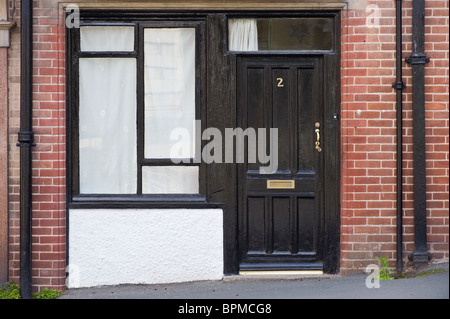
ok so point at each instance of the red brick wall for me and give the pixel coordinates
(13, 155)
(368, 200)
(368, 214)
(437, 124)
(3, 164)
(48, 210)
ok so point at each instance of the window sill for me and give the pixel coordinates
(157, 201)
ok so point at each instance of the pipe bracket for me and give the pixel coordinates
(399, 85)
(417, 58)
(420, 258)
(26, 138)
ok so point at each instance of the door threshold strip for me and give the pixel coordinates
(280, 272)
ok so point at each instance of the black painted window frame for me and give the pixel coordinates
(74, 53)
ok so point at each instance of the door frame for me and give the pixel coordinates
(221, 104)
(331, 158)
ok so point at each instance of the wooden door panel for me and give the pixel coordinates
(280, 107)
(305, 117)
(255, 230)
(305, 220)
(281, 221)
(255, 103)
(279, 227)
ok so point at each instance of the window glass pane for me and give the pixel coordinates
(107, 125)
(106, 38)
(169, 66)
(170, 180)
(281, 34)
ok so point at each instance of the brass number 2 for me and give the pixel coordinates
(280, 82)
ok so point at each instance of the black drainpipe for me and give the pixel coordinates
(418, 59)
(399, 86)
(25, 138)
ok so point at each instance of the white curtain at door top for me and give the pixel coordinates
(243, 35)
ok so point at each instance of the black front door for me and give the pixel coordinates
(280, 214)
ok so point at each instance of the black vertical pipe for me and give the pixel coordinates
(25, 138)
(399, 86)
(418, 59)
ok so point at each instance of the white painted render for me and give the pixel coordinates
(144, 246)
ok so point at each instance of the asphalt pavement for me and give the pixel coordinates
(430, 283)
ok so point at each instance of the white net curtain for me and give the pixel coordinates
(243, 35)
(108, 104)
(107, 125)
(169, 63)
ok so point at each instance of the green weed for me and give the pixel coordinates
(385, 270)
(12, 291)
